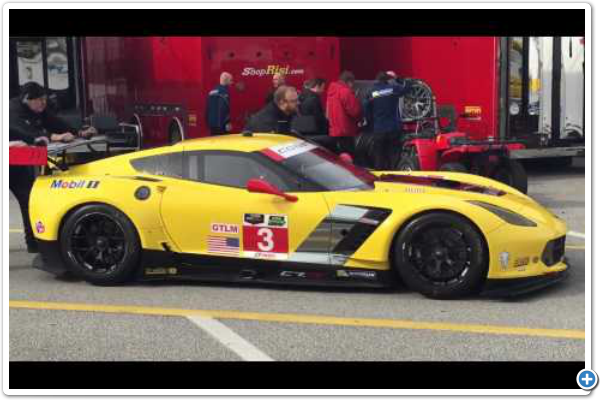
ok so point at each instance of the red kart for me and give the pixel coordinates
(432, 148)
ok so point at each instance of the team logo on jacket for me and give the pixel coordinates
(82, 184)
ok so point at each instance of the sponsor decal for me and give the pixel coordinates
(342, 274)
(278, 220)
(60, 184)
(283, 151)
(40, 228)
(414, 190)
(254, 219)
(227, 229)
(267, 239)
(504, 260)
(521, 263)
(370, 275)
(223, 245)
(292, 274)
(155, 271)
(272, 70)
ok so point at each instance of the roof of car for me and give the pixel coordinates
(258, 141)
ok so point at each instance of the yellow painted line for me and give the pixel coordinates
(303, 319)
(575, 247)
(16, 230)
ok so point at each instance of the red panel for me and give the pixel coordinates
(462, 71)
(28, 155)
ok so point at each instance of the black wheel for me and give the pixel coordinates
(454, 167)
(175, 134)
(441, 255)
(408, 162)
(513, 174)
(100, 244)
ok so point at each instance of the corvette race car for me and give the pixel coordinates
(276, 208)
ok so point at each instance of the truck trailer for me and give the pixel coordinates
(161, 84)
(525, 88)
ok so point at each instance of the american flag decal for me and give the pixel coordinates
(223, 245)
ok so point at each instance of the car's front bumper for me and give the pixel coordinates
(516, 287)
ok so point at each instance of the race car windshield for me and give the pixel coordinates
(328, 170)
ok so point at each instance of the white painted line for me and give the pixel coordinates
(576, 234)
(229, 339)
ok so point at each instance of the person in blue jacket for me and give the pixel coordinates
(218, 106)
(382, 108)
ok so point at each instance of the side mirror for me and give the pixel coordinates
(261, 186)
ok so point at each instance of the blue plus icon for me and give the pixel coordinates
(587, 379)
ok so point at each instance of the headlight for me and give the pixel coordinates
(504, 214)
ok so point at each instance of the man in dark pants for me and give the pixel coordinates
(30, 123)
(382, 105)
(218, 107)
(276, 116)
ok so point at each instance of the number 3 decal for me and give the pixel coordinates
(267, 243)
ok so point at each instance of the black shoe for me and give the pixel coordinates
(32, 247)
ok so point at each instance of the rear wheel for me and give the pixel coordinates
(513, 174)
(100, 244)
(454, 167)
(442, 256)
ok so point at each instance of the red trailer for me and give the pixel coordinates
(162, 83)
(528, 88)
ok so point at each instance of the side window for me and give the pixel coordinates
(170, 164)
(229, 169)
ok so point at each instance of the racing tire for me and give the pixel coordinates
(442, 256)
(100, 244)
(454, 167)
(513, 174)
(408, 162)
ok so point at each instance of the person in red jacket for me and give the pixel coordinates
(344, 112)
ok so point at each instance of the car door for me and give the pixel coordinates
(211, 213)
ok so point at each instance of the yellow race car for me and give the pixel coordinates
(277, 208)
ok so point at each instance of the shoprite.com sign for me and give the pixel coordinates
(272, 70)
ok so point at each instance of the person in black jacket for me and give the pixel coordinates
(276, 116)
(30, 123)
(218, 107)
(311, 105)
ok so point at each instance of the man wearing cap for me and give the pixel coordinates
(30, 123)
(29, 119)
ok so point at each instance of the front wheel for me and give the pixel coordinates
(100, 244)
(442, 256)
